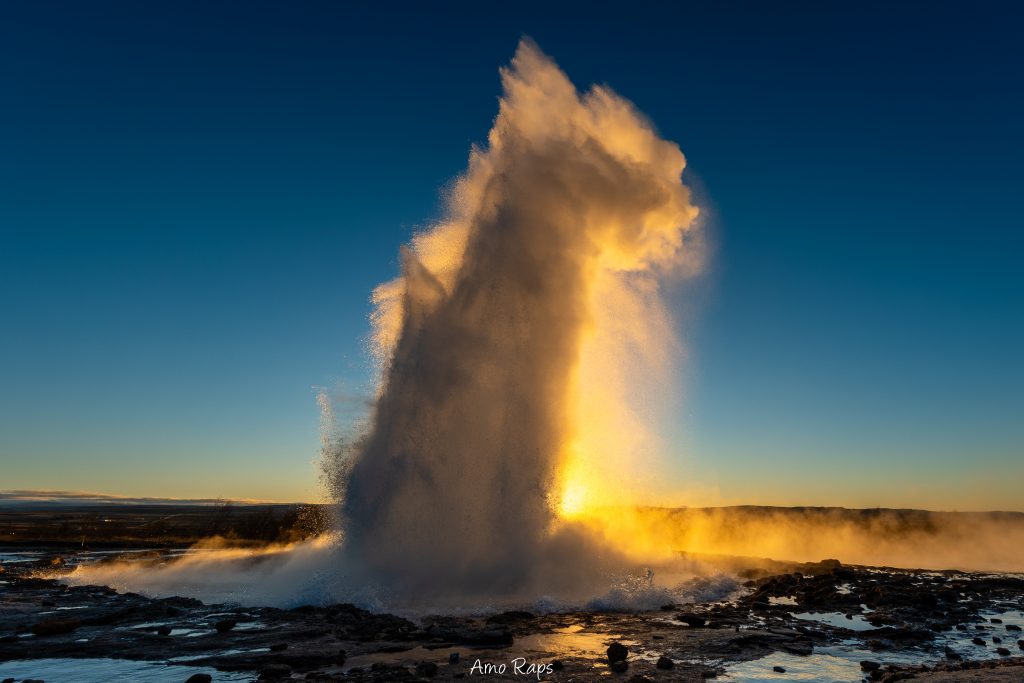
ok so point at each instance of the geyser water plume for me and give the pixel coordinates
(513, 346)
(520, 355)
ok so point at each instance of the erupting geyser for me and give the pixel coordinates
(511, 345)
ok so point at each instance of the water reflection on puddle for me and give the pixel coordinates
(569, 642)
(853, 622)
(787, 600)
(817, 668)
(106, 670)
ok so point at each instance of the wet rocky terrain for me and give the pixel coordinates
(822, 621)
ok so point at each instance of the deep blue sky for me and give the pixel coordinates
(197, 198)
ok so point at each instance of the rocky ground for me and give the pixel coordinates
(895, 618)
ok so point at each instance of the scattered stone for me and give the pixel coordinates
(996, 620)
(664, 663)
(556, 665)
(7, 680)
(978, 641)
(617, 652)
(225, 625)
(868, 665)
(996, 639)
(779, 669)
(951, 653)
(619, 666)
(163, 631)
(961, 627)
(199, 678)
(691, 619)
(1002, 651)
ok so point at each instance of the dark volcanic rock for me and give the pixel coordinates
(225, 625)
(978, 641)
(951, 653)
(1002, 651)
(199, 678)
(619, 666)
(617, 652)
(868, 665)
(779, 669)
(691, 619)
(164, 631)
(428, 669)
(510, 617)
(55, 627)
(798, 648)
(484, 637)
(664, 663)
(274, 672)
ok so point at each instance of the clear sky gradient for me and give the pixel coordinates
(196, 199)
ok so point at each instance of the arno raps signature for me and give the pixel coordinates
(520, 667)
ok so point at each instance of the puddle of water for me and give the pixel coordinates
(961, 641)
(221, 653)
(568, 642)
(58, 610)
(837, 619)
(786, 600)
(188, 632)
(248, 626)
(103, 670)
(816, 668)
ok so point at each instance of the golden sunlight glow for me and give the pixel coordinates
(573, 502)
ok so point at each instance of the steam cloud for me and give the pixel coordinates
(501, 344)
(520, 354)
